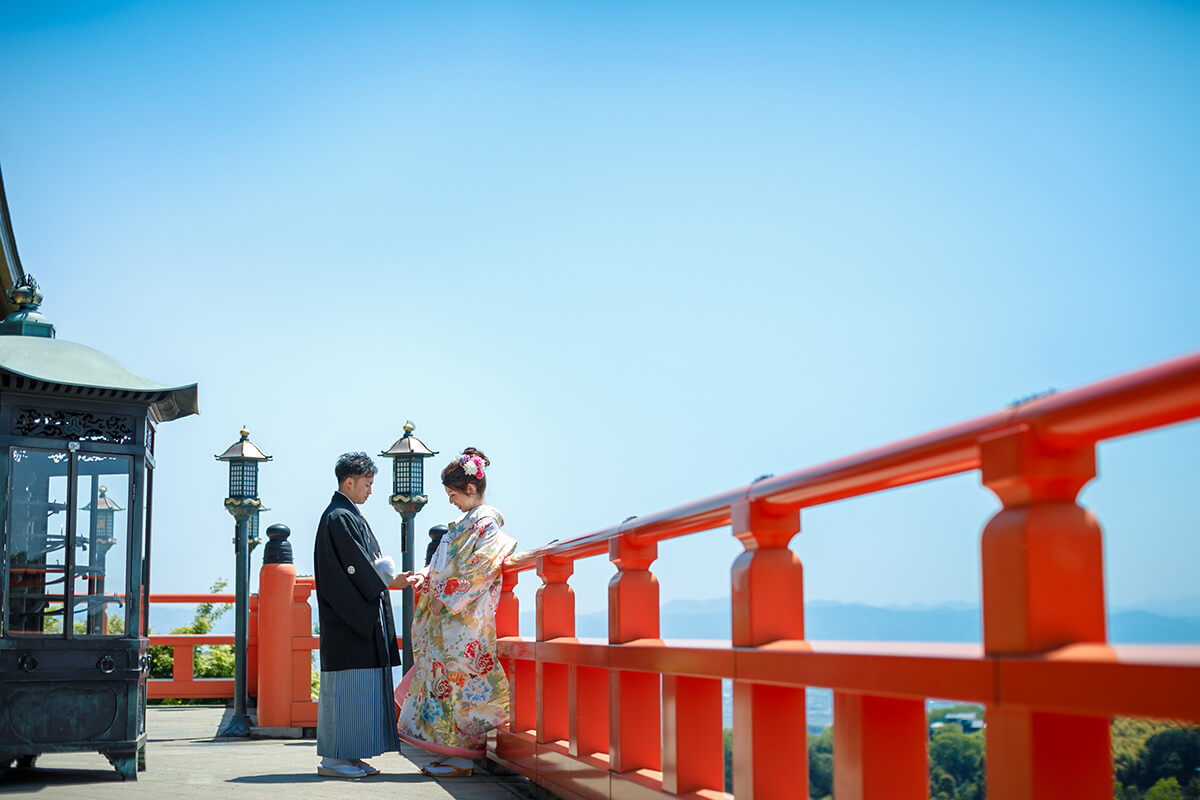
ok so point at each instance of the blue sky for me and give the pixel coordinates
(639, 253)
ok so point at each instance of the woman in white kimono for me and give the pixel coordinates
(457, 691)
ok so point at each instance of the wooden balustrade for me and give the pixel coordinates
(285, 646)
(637, 717)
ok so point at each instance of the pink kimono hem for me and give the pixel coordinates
(440, 749)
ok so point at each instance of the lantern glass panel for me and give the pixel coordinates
(101, 546)
(407, 476)
(400, 476)
(37, 542)
(243, 479)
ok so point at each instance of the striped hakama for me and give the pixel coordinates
(356, 714)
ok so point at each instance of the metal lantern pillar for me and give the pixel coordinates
(408, 456)
(243, 503)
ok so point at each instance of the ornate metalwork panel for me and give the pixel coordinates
(53, 423)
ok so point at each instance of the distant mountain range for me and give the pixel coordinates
(709, 619)
(950, 622)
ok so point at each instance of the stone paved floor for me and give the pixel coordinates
(183, 760)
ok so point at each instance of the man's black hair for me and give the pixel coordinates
(352, 465)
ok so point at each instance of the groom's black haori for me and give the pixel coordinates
(350, 593)
(356, 715)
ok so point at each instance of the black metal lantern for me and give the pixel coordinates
(243, 503)
(244, 457)
(408, 456)
(102, 510)
(77, 430)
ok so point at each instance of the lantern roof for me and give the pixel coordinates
(31, 358)
(103, 502)
(244, 450)
(409, 445)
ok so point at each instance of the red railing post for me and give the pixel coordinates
(183, 665)
(522, 678)
(634, 699)
(588, 691)
(276, 590)
(302, 712)
(1043, 587)
(693, 746)
(516, 746)
(508, 618)
(770, 737)
(555, 618)
(879, 748)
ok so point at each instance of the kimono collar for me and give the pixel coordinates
(479, 511)
(342, 500)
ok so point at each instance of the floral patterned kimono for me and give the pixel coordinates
(456, 690)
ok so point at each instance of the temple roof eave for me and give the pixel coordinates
(63, 363)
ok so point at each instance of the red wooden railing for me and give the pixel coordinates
(280, 660)
(183, 683)
(291, 676)
(638, 717)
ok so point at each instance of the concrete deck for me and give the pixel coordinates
(184, 760)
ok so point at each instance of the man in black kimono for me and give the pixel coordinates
(356, 713)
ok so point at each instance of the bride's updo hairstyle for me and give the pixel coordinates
(467, 470)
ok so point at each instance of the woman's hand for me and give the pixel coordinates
(404, 580)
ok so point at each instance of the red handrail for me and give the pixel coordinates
(194, 597)
(1149, 398)
(584, 724)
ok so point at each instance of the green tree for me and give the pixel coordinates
(1129, 735)
(727, 736)
(1171, 753)
(1165, 789)
(958, 754)
(942, 784)
(820, 764)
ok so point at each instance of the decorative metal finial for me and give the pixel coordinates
(26, 293)
(103, 490)
(409, 427)
(245, 433)
(27, 320)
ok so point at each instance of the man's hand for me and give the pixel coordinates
(403, 580)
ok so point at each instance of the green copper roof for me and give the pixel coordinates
(63, 363)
